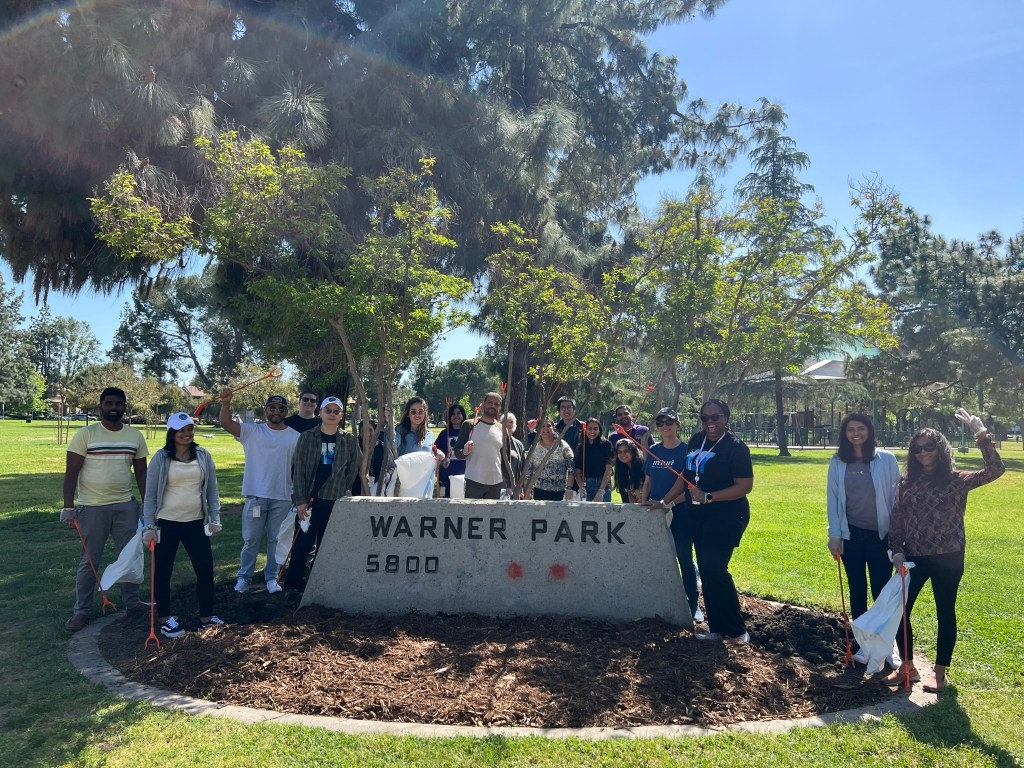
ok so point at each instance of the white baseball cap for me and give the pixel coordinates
(179, 420)
(332, 401)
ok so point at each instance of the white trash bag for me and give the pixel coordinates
(285, 536)
(415, 472)
(130, 566)
(876, 629)
(457, 486)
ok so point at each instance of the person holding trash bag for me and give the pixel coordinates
(99, 465)
(446, 443)
(266, 484)
(182, 506)
(325, 465)
(927, 528)
(862, 481)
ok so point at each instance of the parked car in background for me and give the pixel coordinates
(81, 417)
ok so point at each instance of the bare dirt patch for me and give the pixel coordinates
(478, 670)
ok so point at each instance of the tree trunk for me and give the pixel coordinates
(780, 415)
(516, 393)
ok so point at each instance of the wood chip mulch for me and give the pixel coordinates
(478, 670)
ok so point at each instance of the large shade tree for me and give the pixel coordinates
(543, 113)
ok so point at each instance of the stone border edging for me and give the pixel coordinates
(84, 654)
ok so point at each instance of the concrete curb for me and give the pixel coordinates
(84, 654)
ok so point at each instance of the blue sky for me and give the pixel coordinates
(924, 93)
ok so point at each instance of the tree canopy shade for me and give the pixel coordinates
(545, 113)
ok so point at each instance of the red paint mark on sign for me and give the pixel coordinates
(558, 571)
(515, 571)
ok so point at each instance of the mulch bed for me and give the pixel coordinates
(478, 670)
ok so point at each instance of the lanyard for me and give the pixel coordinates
(696, 473)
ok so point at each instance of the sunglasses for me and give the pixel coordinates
(309, 400)
(663, 422)
(706, 417)
(926, 447)
(331, 411)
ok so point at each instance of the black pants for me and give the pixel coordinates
(539, 494)
(475, 490)
(945, 572)
(319, 517)
(197, 545)
(865, 556)
(716, 533)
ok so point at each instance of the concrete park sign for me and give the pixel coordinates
(499, 558)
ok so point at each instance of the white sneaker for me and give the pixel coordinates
(241, 586)
(698, 616)
(273, 587)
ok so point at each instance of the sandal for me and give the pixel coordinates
(896, 677)
(932, 684)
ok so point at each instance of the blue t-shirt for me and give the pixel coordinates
(662, 478)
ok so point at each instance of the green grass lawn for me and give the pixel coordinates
(49, 714)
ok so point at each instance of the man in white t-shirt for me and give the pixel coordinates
(485, 445)
(266, 484)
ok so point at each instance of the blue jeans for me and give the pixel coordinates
(592, 484)
(272, 513)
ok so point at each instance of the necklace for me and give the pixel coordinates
(700, 456)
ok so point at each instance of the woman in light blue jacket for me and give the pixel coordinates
(862, 481)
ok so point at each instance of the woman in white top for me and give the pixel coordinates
(182, 506)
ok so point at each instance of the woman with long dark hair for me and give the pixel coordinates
(594, 460)
(927, 528)
(553, 481)
(862, 481)
(182, 506)
(412, 434)
(450, 465)
(629, 471)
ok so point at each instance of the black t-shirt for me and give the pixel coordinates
(598, 456)
(300, 424)
(328, 444)
(720, 465)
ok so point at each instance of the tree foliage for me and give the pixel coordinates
(18, 386)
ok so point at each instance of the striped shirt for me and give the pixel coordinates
(106, 476)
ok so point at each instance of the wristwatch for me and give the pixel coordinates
(708, 498)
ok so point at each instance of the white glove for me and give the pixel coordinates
(67, 516)
(212, 529)
(148, 535)
(973, 423)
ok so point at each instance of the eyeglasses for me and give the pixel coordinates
(706, 417)
(309, 400)
(331, 411)
(926, 447)
(417, 412)
(663, 422)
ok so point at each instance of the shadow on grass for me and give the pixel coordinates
(947, 725)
